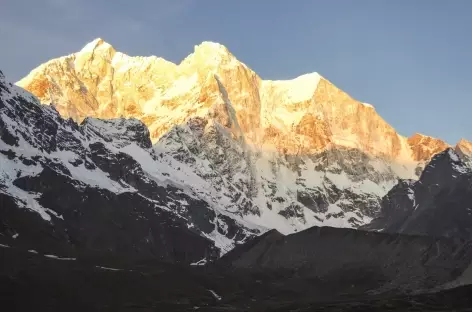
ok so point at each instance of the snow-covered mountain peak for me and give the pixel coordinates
(95, 44)
(445, 165)
(299, 89)
(306, 114)
(94, 53)
(209, 57)
(211, 47)
(303, 115)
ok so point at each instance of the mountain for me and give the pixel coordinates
(438, 204)
(117, 172)
(99, 186)
(277, 154)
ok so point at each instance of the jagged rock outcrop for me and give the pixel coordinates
(438, 204)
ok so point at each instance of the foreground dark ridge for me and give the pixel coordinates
(336, 269)
(361, 261)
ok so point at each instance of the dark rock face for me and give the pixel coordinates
(66, 187)
(439, 204)
(397, 205)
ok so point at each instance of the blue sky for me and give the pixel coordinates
(411, 59)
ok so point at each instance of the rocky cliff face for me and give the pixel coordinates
(279, 154)
(438, 204)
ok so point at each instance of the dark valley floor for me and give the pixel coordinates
(259, 276)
